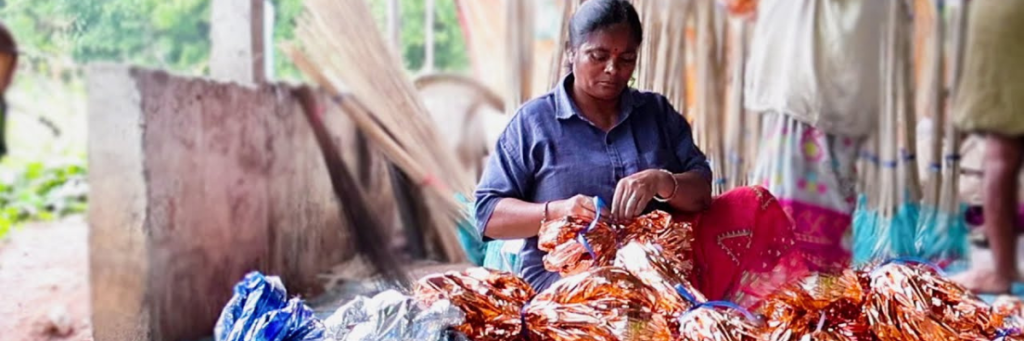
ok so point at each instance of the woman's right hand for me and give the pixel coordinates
(578, 206)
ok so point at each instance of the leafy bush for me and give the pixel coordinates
(41, 190)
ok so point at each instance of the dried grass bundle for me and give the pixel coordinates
(341, 49)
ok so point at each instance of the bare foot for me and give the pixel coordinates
(986, 281)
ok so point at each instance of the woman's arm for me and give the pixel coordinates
(688, 191)
(516, 219)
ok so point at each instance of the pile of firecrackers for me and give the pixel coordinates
(630, 283)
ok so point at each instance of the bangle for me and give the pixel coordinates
(675, 187)
(544, 219)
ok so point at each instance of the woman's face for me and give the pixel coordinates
(603, 64)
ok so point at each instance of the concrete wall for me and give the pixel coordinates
(193, 184)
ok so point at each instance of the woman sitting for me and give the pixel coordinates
(593, 135)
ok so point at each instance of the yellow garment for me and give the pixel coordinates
(991, 92)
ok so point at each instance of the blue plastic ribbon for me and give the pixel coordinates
(1006, 332)
(522, 319)
(581, 236)
(686, 294)
(907, 156)
(726, 305)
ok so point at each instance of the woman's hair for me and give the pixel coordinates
(596, 15)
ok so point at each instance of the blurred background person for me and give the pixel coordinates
(989, 101)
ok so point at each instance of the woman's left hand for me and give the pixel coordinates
(634, 192)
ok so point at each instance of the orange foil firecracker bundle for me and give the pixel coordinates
(646, 261)
(1008, 313)
(575, 245)
(674, 238)
(718, 321)
(912, 301)
(820, 307)
(602, 304)
(491, 300)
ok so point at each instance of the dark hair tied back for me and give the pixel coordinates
(596, 15)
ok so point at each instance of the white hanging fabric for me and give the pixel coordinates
(829, 75)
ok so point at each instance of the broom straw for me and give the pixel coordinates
(936, 80)
(949, 197)
(384, 103)
(334, 36)
(887, 141)
(911, 184)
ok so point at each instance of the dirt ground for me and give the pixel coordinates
(44, 282)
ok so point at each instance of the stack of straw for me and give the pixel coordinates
(342, 49)
(941, 234)
(885, 222)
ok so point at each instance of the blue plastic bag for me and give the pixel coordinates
(260, 311)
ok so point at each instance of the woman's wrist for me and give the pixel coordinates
(667, 185)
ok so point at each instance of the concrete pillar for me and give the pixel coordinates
(193, 183)
(395, 25)
(237, 38)
(428, 41)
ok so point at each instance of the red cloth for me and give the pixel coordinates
(745, 247)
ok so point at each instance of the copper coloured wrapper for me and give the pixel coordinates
(603, 304)
(675, 294)
(566, 240)
(819, 307)
(491, 300)
(675, 238)
(1008, 312)
(915, 302)
(714, 323)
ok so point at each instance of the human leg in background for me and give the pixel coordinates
(1003, 160)
(813, 176)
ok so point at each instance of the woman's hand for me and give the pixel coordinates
(580, 206)
(634, 192)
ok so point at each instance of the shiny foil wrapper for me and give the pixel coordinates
(1008, 312)
(491, 300)
(819, 307)
(392, 316)
(566, 255)
(914, 302)
(675, 238)
(716, 324)
(603, 304)
(646, 262)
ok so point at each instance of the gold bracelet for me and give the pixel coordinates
(675, 187)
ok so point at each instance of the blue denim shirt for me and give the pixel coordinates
(549, 151)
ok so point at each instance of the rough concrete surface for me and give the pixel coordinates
(193, 184)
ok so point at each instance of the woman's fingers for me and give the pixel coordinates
(641, 203)
(618, 200)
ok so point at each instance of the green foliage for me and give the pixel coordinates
(170, 34)
(449, 45)
(174, 34)
(41, 191)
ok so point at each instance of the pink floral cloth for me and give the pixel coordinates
(813, 176)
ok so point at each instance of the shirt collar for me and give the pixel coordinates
(565, 107)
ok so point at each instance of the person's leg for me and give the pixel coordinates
(1003, 159)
